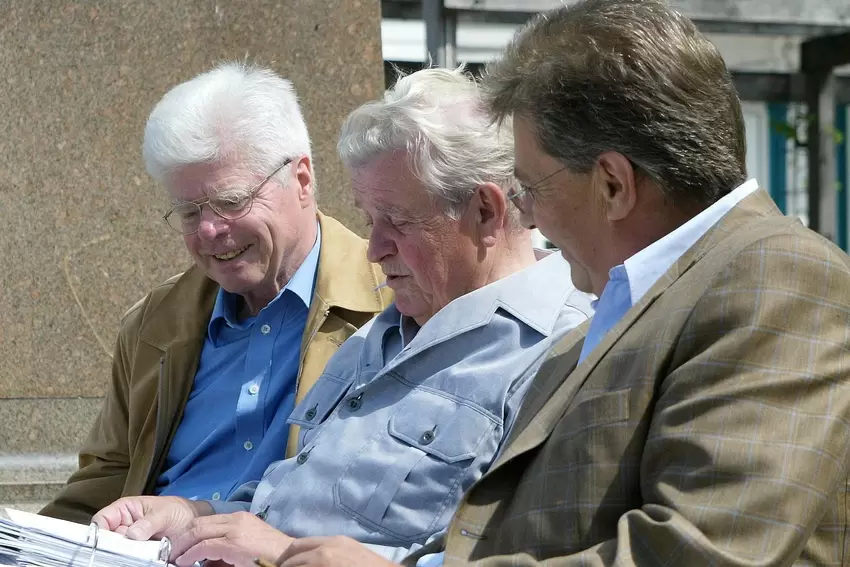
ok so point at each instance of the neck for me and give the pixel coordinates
(640, 230)
(253, 303)
(515, 255)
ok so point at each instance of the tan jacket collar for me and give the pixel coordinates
(340, 266)
(553, 391)
(343, 280)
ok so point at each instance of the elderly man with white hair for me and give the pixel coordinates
(275, 289)
(413, 409)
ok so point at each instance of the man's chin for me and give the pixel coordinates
(238, 283)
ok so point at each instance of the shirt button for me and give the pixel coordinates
(216, 496)
(311, 413)
(248, 445)
(254, 389)
(354, 403)
(265, 329)
(427, 437)
(302, 458)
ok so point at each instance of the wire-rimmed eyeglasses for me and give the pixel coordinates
(521, 198)
(228, 204)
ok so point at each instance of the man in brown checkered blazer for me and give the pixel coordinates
(702, 417)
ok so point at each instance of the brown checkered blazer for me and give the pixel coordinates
(711, 425)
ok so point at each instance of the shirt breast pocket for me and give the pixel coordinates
(316, 406)
(404, 478)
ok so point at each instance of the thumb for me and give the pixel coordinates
(151, 525)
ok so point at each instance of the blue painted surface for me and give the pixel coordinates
(778, 155)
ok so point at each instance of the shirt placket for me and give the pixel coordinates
(250, 413)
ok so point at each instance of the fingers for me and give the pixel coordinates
(154, 522)
(207, 550)
(233, 538)
(121, 513)
(144, 529)
(202, 529)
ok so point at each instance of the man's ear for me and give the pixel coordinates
(489, 208)
(614, 181)
(304, 176)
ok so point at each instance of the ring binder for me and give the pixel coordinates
(91, 540)
(36, 541)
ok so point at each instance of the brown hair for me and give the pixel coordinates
(629, 76)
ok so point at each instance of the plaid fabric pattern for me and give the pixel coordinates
(710, 426)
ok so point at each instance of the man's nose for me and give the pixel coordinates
(380, 246)
(211, 225)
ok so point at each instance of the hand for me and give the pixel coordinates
(337, 551)
(146, 517)
(235, 539)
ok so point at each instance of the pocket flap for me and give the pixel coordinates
(319, 402)
(440, 426)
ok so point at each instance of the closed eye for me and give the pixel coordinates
(233, 200)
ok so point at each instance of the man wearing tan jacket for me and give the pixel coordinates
(210, 364)
(702, 417)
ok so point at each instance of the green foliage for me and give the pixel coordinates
(790, 130)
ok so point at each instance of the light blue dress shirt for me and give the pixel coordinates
(630, 281)
(234, 424)
(405, 419)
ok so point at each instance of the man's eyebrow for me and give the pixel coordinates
(224, 191)
(392, 210)
(386, 209)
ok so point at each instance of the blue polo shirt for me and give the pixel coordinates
(234, 425)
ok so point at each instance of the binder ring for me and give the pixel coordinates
(164, 549)
(91, 540)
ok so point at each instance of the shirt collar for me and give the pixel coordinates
(520, 294)
(301, 284)
(645, 268)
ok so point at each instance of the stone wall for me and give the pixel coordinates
(82, 238)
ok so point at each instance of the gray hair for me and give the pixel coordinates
(236, 111)
(438, 118)
(629, 76)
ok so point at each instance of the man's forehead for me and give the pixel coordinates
(197, 180)
(386, 185)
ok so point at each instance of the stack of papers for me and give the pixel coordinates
(38, 541)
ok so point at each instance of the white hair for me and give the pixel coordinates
(438, 118)
(234, 112)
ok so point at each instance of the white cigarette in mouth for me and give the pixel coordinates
(380, 286)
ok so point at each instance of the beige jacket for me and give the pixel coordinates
(157, 354)
(710, 426)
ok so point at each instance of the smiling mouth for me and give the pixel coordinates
(232, 254)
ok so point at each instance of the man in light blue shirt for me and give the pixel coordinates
(414, 407)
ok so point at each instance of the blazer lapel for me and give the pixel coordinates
(558, 380)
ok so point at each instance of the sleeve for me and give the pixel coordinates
(239, 501)
(394, 554)
(104, 459)
(749, 437)
(229, 506)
